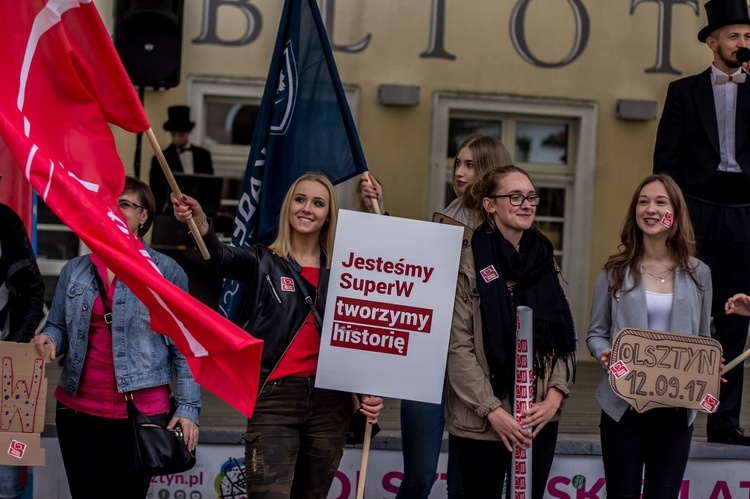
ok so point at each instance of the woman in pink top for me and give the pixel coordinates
(107, 356)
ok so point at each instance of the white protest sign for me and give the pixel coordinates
(389, 307)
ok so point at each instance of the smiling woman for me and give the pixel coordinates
(295, 439)
(508, 264)
(654, 283)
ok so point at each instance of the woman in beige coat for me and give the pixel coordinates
(508, 263)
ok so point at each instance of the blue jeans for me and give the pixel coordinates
(10, 482)
(422, 427)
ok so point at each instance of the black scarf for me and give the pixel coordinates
(532, 269)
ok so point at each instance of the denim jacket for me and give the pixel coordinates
(142, 357)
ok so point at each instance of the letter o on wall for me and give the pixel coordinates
(518, 34)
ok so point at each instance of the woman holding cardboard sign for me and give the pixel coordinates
(508, 264)
(653, 282)
(295, 439)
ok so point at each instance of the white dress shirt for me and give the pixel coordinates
(725, 98)
(186, 159)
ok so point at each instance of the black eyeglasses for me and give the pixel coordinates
(518, 199)
(124, 204)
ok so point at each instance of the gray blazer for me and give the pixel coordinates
(691, 313)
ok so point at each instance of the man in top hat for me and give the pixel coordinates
(181, 155)
(702, 142)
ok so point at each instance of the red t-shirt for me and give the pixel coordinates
(301, 358)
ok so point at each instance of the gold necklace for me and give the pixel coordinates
(662, 277)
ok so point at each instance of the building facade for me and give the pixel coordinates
(573, 88)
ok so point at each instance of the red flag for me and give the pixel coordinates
(61, 82)
(15, 191)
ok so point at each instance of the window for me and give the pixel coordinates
(225, 111)
(56, 243)
(554, 141)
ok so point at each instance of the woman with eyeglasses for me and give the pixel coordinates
(509, 263)
(109, 355)
(422, 424)
(653, 282)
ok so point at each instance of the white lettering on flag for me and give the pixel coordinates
(50, 15)
(195, 347)
(88, 185)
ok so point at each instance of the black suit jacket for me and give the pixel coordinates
(687, 141)
(202, 163)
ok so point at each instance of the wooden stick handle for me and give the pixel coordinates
(737, 361)
(375, 205)
(173, 185)
(365, 458)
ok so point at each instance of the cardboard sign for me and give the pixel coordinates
(443, 219)
(651, 369)
(22, 404)
(389, 307)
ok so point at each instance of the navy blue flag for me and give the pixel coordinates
(304, 124)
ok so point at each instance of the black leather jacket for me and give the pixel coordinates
(268, 313)
(21, 285)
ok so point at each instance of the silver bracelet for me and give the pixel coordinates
(205, 219)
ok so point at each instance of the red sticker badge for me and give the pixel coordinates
(619, 369)
(17, 449)
(668, 219)
(489, 274)
(287, 284)
(710, 403)
(522, 346)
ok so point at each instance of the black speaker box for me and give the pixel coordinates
(148, 37)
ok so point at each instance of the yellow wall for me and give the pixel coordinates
(396, 141)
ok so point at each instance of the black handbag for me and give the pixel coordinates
(158, 451)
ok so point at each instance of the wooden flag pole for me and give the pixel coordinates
(738, 360)
(173, 185)
(375, 205)
(365, 457)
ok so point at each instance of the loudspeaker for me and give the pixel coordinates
(148, 37)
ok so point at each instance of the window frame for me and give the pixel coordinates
(578, 177)
(231, 160)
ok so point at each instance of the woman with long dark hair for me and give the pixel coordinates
(653, 282)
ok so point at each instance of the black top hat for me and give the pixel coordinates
(179, 119)
(722, 13)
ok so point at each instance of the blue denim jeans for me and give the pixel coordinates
(10, 482)
(422, 426)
